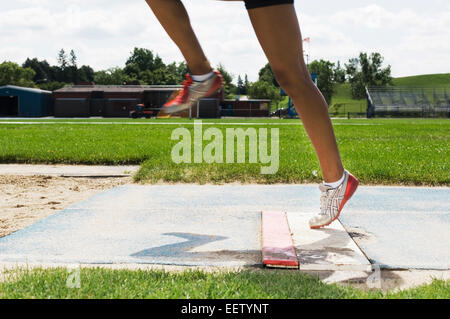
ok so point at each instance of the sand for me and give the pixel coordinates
(25, 200)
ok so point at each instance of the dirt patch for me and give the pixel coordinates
(25, 200)
(360, 236)
(386, 279)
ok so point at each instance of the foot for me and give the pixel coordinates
(192, 91)
(332, 200)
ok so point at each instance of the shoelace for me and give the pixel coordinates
(181, 97)
(323, 201)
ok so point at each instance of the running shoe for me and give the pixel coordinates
(332, 200)
(192, 91)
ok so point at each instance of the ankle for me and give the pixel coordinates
(202, 77)
(200, 69)
(336, 183)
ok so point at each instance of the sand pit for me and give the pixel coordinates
(25, 200)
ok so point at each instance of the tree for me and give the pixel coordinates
(85, 74)
(51, 86)
(13, 74)
(43, 70)
(240, 85)
(266, 74)
(246, 84)
(182, 69)
(141, 60)
(173, 74)
(148, 68)
(263, 90)
(324, 71)
(229, 88)
(339, 74)
(367, 71)
(73, 58)
(112, 76)
(62, 59)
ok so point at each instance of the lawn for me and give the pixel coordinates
(379, 151)
(342, 102)
(426, 80)
(247, 284)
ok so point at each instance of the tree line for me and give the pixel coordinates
(144, 67)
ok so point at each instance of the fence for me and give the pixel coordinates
(348, 110)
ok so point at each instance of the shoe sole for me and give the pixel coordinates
(348, 194)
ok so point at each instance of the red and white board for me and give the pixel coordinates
(277, 245)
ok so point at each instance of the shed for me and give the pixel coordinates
(25, 102)
(109, 100)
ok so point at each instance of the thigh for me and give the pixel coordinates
(278, 32)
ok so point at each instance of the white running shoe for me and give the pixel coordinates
(332, 200)
(192, 91)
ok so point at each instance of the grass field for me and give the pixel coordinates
(427, 80)
(343, 103)
(381, 151)
(126, 284)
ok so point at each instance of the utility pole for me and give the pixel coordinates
(307, 57)
(307, 52)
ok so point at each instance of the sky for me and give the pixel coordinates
(412, 35)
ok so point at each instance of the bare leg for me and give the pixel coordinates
(278, 32)
(173, 17)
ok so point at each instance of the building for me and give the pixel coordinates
(25, 102)
(109, 100)
(245, 108)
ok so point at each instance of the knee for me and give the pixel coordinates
(292, 79)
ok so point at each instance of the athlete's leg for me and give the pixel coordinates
(205, 81)
(173, 17)
(278, 32)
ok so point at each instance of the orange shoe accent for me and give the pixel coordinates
(352, 185)
(192, 92)
(183, 94)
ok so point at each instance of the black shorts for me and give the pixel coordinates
(251, 4)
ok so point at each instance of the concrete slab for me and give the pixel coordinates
(139, 224)
(402, 227)
(68, 170)
(219, 225)
(329, 248)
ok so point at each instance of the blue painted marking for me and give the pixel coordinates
(179, 249)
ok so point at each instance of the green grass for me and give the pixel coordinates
(343, 103)
(380, 151)
(105, 284)
(427, 80)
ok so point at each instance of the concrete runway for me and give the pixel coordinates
(206, 225)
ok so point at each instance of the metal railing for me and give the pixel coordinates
(408, 101)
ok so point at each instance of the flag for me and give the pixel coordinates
(308, 39)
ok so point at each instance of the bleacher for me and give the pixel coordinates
(407, 101)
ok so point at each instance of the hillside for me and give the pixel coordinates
(429, 80)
